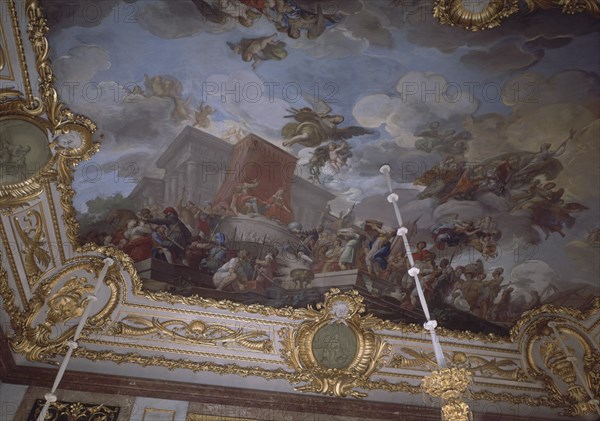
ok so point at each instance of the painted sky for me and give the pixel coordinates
(390, 69)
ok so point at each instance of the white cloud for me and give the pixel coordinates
(247, 97)
(337, 42)
(422, 97)
(81, 63)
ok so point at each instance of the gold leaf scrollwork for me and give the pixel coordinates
(504, 368)
(58, 114)
(67, 159)
(41, 341)
(456, 12)
(567, 6)
(36, 257)
(62, 120)
(73, 411)
(37, 342)
(68, 302)
(565, 360)
(576, 399)
(195, 332)
(451, 386)
(335, 349)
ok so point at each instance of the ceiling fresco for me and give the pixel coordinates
(241, 143)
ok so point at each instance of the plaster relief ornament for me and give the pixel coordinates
(72, 139)
(335, 348)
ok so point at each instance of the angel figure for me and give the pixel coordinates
(333, 154)
(202, 116)
(259, 49)
(234, 134)
(312, 127)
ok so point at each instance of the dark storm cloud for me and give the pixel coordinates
(547, 43)
(367, 25)
(501, 58)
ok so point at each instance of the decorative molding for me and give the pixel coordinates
(42, 339)
(335, 349)
(32, 231)
(567, 6)
(219, 395)
(196, 332)
(74, 411)
(410, 358)
(450, 385)
(477, 16)
(456, 12)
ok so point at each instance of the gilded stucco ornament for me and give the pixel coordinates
(472, 17)
(31, 232)
(490, 367)
(195, 332)
(567, 6)
(563, 358)
(41, 331)
(450, 384)
(476, 16)
(73, 411)
(68, 135)
(335, 349)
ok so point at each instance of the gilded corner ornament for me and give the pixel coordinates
(42, 335)
(335, 349)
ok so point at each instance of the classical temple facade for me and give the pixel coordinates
(199, 163)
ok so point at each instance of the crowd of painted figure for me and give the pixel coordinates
(293, 17)
(521, 180)
(381, 253)
(190, 236)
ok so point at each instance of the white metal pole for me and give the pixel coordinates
(430, 325)
(51, 397)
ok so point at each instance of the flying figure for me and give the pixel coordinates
(312, 128)
(259, 49)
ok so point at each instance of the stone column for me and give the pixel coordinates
(173, 189)
(192, 182)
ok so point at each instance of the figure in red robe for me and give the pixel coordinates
(278, 210)
(242, 201)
